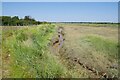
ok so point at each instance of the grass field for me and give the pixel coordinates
(26, 51)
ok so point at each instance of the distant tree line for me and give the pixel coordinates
(16, 21)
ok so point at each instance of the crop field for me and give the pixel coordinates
(60, 51)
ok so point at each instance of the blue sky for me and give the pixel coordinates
(60, 0)
(64, 11)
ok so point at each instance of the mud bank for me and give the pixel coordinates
(58, 40)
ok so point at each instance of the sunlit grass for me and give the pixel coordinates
(35, 60)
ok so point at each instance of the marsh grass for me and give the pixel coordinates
(30, 56)
(114, 25)
(107, 46)
(31, 61)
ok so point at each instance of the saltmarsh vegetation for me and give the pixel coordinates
(26, 52)
(106, 46)
(29, 55)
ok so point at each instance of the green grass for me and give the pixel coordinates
(100, 25)
(34, 60)
(90, 25)
(103, 45)
(30, 56)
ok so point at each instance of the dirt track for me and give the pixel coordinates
(80, 55)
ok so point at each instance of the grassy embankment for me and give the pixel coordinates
(26, 53)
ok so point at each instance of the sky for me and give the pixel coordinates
(63, 11)
(60, 0)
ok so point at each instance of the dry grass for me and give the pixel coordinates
(94, 52)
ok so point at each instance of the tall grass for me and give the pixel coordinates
(34, 60)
